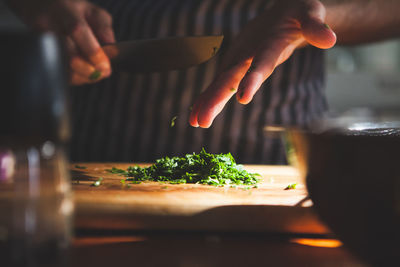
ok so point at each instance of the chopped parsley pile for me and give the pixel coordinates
(200, 168)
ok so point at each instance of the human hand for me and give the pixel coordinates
(264, 43)
(82, 25)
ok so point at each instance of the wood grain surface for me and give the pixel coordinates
(160, 206)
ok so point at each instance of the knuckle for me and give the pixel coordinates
(314, 9)
(75, 26)
(103, 15)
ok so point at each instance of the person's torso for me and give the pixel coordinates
(128, 116)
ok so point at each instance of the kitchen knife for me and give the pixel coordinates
(157, 55)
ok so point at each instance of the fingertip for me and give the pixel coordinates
(77, 79)
(100, 58)
(193, 115)
(206, 116)
(105, 69)
(102, 63)
(319, 34)
(193, 122)
(250, 85)
(242, 98)
(79, 65)
(205, 123)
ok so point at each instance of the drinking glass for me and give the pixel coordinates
(36, 205)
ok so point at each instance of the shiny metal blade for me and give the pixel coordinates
(157, 55)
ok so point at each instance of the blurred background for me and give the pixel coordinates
(363, 75)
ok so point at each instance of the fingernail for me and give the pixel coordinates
(95, 75)
(327, 26)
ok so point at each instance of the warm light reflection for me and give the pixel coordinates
(325, 243)
(89, 241)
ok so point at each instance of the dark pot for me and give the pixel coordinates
(353, 178)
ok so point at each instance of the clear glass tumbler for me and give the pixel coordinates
(36, 205)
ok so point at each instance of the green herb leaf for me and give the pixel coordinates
(95, 75)
(173, 121)
(116, 171)
(80, 167)
(291, 186)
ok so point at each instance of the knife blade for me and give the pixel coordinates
(157, 55)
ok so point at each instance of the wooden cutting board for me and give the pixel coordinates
(157, 206)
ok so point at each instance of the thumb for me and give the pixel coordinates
(318, 33)
(311, 16)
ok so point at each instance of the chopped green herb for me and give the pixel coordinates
(116, 171)
(80, 167)
(233, 89)
(200, 168)
(134, 182)
(173, 121)
(95, 75)
(164, 187)
(326, 26)
(291, 186)
(122, 181)
(98, 182)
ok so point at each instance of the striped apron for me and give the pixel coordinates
(127, 117)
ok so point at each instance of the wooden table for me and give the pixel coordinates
(209, 250)
(155, 224)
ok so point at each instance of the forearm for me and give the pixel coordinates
(363, 21)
